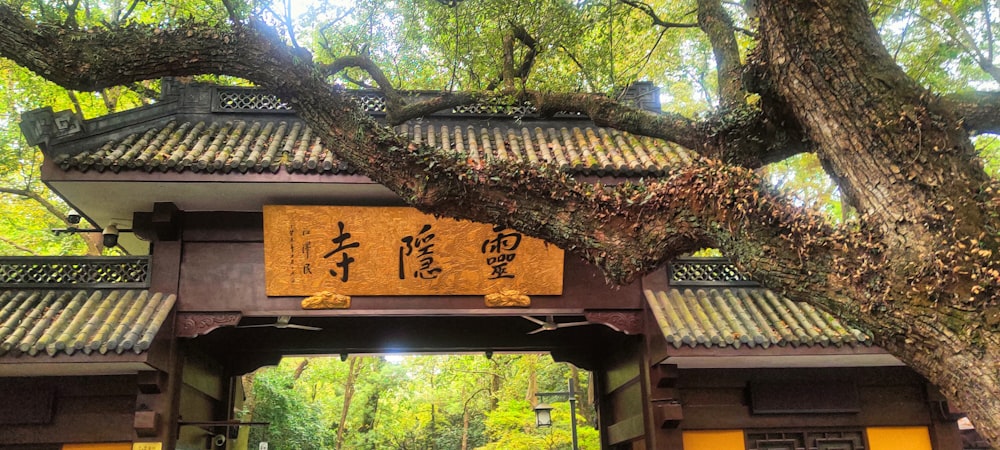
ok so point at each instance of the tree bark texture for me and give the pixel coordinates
(907, 165)
(920, 269)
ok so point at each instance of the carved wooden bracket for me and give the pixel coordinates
(628, 322)
(191, 325)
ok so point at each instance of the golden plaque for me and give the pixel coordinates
(400, 251)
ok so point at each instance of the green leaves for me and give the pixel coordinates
(415, 402)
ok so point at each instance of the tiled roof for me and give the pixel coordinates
(270, 145)
(36, 321)
(754, 317)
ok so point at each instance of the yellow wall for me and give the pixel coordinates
(714, 440)
(114, 446)
(898, 438)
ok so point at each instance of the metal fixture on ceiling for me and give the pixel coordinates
(550, 324)
(282, 322)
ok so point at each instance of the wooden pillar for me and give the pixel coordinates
(663, 408)
(662, 403)
(621, 400)
(157, 408)
(944, 431)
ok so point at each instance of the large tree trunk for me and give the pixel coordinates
(908, 167)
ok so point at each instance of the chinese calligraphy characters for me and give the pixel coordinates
(390, 251)
(342, 245)
(419, 247)
(500, 252)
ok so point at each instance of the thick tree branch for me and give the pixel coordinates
(394, 101)
(979, 111)
(718, 26)
(418, 174)
(908, 166)
(234, 15)
(509, 73)
(529, 57)
(716, 23)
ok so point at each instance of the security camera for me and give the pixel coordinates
(110, 234)
(73, 217)
(219, 440)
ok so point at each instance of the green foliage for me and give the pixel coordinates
(588, 46)
(295, 422)
(941, 44)
(415, 402)
(24, 222)
(802, 177)
(989, 150)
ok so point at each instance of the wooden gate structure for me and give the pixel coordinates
(237, 215)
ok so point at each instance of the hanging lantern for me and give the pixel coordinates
(543, 415)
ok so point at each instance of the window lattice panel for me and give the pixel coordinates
(372, 103)
(806, 440)
(496, 108)
(707, 271)
(251, 100)
(74, 272)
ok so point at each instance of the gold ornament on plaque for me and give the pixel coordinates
(327, 300)
(508, 298)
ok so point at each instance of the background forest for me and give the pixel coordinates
(416, 402)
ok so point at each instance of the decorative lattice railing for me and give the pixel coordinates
(706, 272)
(237, 99)
(253, 100)
(74, 272)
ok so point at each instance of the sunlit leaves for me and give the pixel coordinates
(24, 223)
(943, 44)
(803, 179)
(415, 402)
(989, 150)
(588, 46)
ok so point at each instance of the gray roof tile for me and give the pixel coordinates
(267, 145)
(754, 317)
(52, 322)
